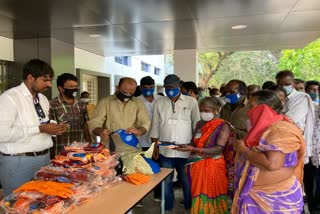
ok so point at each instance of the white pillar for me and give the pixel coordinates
(185, 65)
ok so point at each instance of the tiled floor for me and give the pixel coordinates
(152, 207)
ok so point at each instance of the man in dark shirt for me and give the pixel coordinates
(235, 111)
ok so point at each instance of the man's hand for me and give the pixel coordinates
(105, 135)
(137, 132)
(53, 128)
(156, 153)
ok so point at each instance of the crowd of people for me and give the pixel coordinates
(257, 146)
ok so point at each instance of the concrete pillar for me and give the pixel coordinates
(185, 65)
(58, 54)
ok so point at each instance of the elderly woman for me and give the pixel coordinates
(269, 162)
(206, 167)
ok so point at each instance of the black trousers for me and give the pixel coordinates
(311, 180)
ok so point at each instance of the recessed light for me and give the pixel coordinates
(94, 35)
(239, 27)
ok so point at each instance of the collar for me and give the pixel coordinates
(182, 97)
(154, 98)
(61, 100)
(244, 103)
(24, 89)
(292, 94)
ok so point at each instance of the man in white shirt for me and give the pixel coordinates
(25, 130)
(299, 107)
(148, 98)
(174, 119)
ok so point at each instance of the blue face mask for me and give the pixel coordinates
(147, 92)
(129, 139)
(172, 92)
(233, 98)
(314, 96)
(288, 88)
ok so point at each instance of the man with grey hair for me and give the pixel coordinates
(174, 119)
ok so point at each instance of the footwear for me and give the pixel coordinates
(157, 200)
(181, 203)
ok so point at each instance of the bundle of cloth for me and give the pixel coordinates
(73, 177)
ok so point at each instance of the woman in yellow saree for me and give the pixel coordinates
(211, 160)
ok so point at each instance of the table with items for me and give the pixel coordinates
(83, 172)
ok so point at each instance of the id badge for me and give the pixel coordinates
(172, 122)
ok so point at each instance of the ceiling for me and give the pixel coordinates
(144, 27)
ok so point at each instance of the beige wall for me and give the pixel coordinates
(185, 65)
(6, 49)
(89, 61)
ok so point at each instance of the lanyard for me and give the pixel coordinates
(39, 110)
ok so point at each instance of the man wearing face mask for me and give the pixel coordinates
(148, 98)
(84, 97)
(67, 108)
(299, 107)
(235, 111)
(312, 170)
(120, 111)
(174, 119)
(190, 89)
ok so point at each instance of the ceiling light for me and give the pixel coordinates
(239, 27)
(94, 35)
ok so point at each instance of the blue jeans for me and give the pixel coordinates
(178, 164)
(16, 170)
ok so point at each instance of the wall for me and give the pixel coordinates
(62, 61)
(6, 49)
(89, 61)
(134, 70)
(185, 64)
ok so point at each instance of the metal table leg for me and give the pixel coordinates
(162, 197)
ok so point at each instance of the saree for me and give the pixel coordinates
(208, 176)
(283, 197)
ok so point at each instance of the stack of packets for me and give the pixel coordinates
(73, 177)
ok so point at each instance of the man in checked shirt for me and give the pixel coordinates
(67, 108)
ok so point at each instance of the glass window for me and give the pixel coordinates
(157, 71)
(90, 85)
(145, 67)
(123, 60)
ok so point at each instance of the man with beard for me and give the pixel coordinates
(66, 108)
(25, 128)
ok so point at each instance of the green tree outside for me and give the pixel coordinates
(256, 67)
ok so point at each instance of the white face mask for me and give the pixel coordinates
(288, 88)
(206, 116)
(84, 100)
